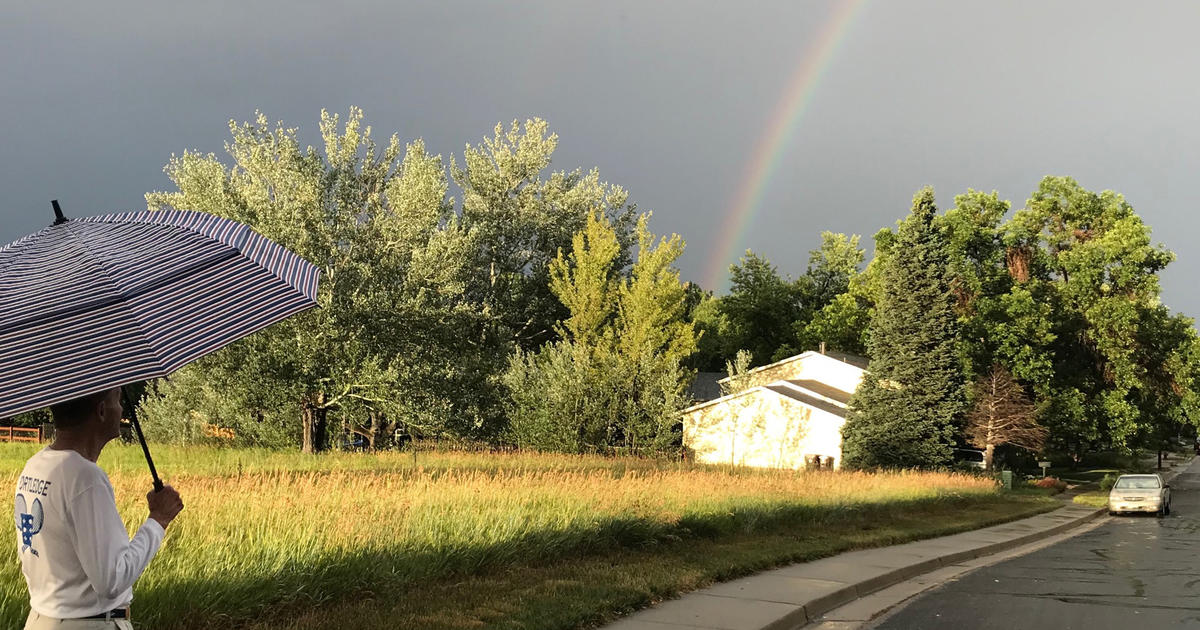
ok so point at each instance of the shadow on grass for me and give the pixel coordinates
(323, 579)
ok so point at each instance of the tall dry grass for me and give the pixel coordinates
(288, 530)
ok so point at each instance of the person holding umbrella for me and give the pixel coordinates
(78, 560)
(90, 305)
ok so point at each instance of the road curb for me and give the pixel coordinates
(813, 610)
(819, 608)
(791, 597)
(798, 594)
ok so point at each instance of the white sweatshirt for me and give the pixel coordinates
(75, 553)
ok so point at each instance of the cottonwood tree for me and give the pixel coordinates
(523, 216)
(393, 330)
(1002, 414)
(844, 323)
(1065, 295)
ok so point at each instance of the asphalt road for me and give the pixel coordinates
(1138, 572)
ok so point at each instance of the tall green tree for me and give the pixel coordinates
(653, 340)
(829, 314)
(616, 378)
(844, 323)
(564, 395)
(715, 340)
(586, 281)
(761, 308)
(830, 269)
(1065, 296)
(910, 406)
(392, 331)
(1088, 257)
(522, 216)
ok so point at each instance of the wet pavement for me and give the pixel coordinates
(1139, 572)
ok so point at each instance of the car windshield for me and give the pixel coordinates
(1137, 483)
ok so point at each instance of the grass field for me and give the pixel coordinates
(459, 540)
(1095, 498)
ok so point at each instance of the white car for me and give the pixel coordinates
(970, 458)
(1140, 493)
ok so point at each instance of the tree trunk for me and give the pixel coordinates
(989, 449)
(313, 416)
(389, 432)
(374, 432)
(306, 428)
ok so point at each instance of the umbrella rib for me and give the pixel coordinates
(12, 250)
(120, 296)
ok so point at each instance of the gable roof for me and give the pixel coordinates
(786, 388)
(825, 391)
(845, 357)
(851, 359)
(827, 399)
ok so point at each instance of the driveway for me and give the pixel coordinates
(1138, 572)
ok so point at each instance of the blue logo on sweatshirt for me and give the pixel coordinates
(29, 520)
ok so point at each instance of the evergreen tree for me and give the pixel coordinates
(912, 399)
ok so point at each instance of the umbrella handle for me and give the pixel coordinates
(137, 428)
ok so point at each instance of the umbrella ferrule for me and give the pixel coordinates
(58, 215)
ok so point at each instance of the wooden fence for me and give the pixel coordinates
(20, 434)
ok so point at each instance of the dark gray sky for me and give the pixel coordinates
(667, 98)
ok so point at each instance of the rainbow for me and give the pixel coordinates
(782, 126)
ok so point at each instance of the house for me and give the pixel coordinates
(788, 414)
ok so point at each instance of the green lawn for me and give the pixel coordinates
(1095, 498)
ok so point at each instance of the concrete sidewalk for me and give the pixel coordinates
(790, 597)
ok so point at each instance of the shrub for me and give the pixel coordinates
(1050, 483)
(1108, 481)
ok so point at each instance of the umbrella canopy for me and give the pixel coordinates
(90, 304)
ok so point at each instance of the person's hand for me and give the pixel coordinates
(165, 504)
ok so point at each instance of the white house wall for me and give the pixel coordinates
(762, 429)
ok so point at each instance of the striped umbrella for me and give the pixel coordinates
(90, 304)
